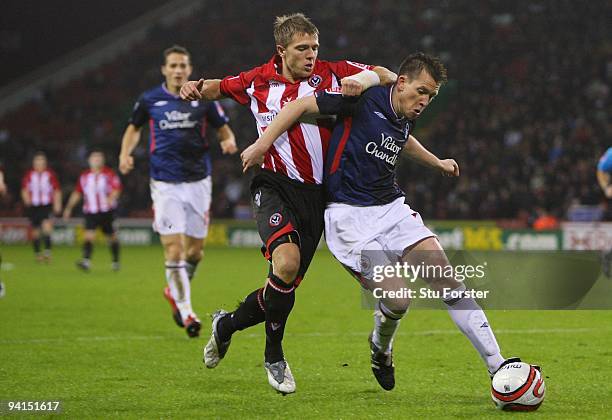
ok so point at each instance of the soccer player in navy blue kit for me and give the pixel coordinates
(604, 178)
(366, 209)
(180, 167)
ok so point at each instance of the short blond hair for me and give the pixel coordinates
(286, 26)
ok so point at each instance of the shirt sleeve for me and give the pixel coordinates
(140, 114)
(605, 163)
(54, 181)
(346, 68)
(79, 187)
(25, 180)
(235, 87)
(331, 102)
(216, 115)
(115, 182)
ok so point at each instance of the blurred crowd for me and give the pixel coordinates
(526, 112)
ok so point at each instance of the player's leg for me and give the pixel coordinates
(170, 222)
(107, 224)
(390, 310)
(279, 297)
(197, 198)
(36, 243)
(292, 253)
(35, 221)
(89, 235)
(179, 288)
(352, 235)
(251, 311)
(464, 311)
(194, 251)
(47, 231)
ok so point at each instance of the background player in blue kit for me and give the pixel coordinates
(180, 169)
(366, 209)
(604, 178)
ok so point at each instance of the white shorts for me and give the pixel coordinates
(181, 207)
(390, 228)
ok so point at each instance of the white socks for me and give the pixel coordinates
(178, 281)
(473, 323)
(386, 323)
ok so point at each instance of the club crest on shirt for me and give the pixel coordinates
(194, 104)
(275, 219)
(315, 80)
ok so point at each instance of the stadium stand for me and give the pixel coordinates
(526, 121)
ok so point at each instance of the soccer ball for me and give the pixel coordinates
(518, 387)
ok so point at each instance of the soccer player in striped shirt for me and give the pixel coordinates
(181, 174)
(368, 224)
(287, 193)
(100, 187)
(42, 196)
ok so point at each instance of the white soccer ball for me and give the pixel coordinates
(518, 387)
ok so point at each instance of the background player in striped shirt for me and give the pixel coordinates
(181, 184)
(367, 221)
(42, 195)
(100, 187)
(287, 194)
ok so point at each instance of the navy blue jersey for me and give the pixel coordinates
(605, 162)
(365, 145)
(177, 140)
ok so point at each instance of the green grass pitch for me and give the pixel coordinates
(105, 344)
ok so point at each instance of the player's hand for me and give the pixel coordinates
(228, 146)
(2, 189)
(57, 210)
(126, 164)
(609, 191)
(351, 87)
(192, 90)
(252, 156)
(448, 167)
(66, 214)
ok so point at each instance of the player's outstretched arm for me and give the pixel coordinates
(130, 140)
(114, 196)
(25, 197)
(2, 184)
(417, 152)
(57, 202)
(209, 90)
(253, 155)
(386, 76)
(75, 197)
(227, 140)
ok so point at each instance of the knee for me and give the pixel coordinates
(396, 308)
(194, 254)
(286, 262)
(173, 251)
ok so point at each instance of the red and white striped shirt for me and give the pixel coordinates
(96, 187)
(40, 186)
(299, 152)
